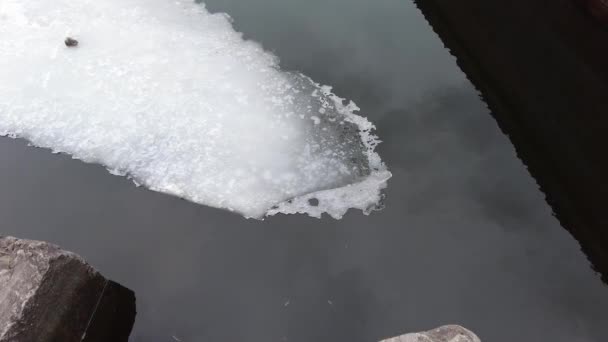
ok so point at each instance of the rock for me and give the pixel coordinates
(448, 333)
(47, 294)
(71, 42)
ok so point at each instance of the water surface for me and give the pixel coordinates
(466, 236)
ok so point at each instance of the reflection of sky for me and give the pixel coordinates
(465, 238)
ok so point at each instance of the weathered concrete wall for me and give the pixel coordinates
(47, 294)
(448, 333)
(542, 67)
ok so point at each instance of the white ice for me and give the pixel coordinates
(173, 97)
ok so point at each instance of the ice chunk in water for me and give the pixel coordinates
(173, 97)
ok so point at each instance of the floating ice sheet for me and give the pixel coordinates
(173, 97)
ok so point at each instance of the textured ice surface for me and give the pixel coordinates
(171, 96)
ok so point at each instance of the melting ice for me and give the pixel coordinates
(173, 97)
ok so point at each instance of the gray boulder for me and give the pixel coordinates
(48, 294)
(448, 333)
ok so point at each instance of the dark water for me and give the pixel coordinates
(466, 236)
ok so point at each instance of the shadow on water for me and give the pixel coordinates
(547, 90)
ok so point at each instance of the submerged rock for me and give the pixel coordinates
(48, 294)
(448, 333)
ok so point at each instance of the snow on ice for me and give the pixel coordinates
(170, 95)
